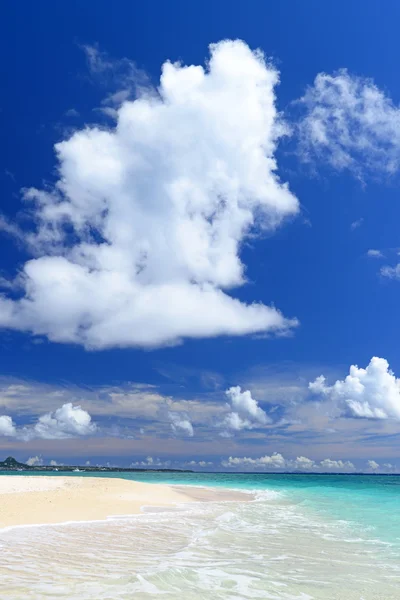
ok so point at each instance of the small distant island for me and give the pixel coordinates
(11, 464)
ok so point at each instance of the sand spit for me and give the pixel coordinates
(28, 500)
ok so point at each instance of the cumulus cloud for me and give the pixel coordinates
(372, 464)
(277, 462)
(372, 393)
(200, 463)
(68, 421)
(131, 409)
(151, 463)
(35, 461)
(336, 465)
(7, 426)
(302, 463)
(139, 239)
(180, 424)
(391, 272)
(245, 411)
(350, 124)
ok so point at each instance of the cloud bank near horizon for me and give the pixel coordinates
(355, 416)
(277, 462)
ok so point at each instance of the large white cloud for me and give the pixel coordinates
(68, 421)
(372, 393)
(139, 239)
(245, 413)
(351, 124)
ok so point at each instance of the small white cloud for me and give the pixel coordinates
(350, 124)
(356, 224)
(275, 461)
(35, 461)
(302, 463)
(389, 467)
(336, 465)
(71, 112)
(180, 424)
(98, 61)
(375, 254)
(318, 386)
(245, 411)
(200, 463)
(372, 393)
(372, 464)
(391, 272)
(151, 463)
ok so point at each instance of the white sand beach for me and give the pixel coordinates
(27, 500)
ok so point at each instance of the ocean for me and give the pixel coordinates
(304, 537)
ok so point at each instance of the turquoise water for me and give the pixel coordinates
(371, 502)
(302, 537)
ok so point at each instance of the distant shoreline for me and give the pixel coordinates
(11, 465)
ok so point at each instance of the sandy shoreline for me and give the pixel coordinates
(28, 500)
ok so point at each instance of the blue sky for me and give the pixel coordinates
(154, 366)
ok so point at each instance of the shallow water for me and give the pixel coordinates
(301, 539)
